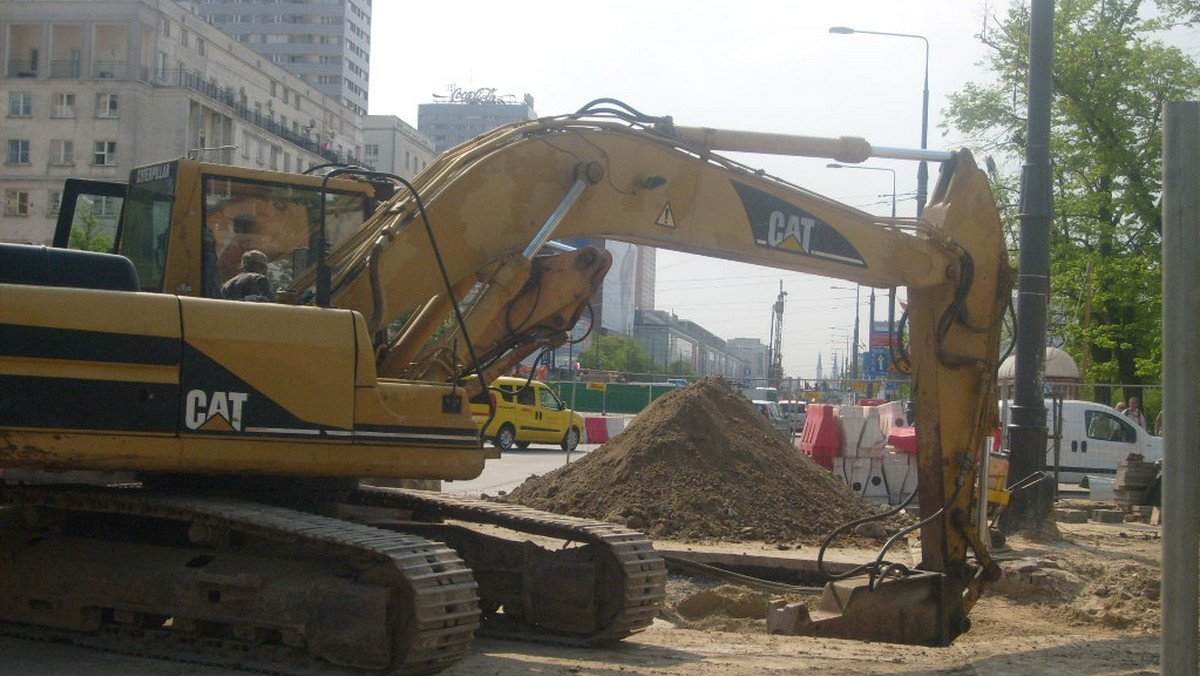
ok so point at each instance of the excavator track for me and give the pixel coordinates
(610, 584)
(229, 582)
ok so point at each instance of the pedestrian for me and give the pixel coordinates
(1121, 407)
(1134, 412)
(252, 282)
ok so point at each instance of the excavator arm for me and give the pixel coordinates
(470, 227)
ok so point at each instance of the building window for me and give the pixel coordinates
(62, 152)
(16, 202)
(20, 104)
(372, 150)
(183, 37)
(200, 47)
(53, 203)
(106, 205)
(164, 26)
(105, 154)
(162, 65)
(18, 152)
(106, 105)
(64, 105)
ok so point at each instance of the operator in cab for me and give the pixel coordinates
(252, 282)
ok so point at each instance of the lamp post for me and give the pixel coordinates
(835, 165)
(923, 168)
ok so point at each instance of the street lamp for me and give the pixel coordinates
(835, 165)
(923, 168)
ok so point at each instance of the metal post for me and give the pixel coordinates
(1027, 431)
(1181, 464)
(857, 306)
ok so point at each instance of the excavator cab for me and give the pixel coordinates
(185, 224)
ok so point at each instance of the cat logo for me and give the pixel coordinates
(216, 412)
(790, 231)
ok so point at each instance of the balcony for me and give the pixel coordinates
(65, 69)
(21, 68)
(193, 81)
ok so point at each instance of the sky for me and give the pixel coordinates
(758, 65)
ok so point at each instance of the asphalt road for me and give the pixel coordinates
(514, 468)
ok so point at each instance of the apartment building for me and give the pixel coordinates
(391, 144)
(94, 88)
(326, 43)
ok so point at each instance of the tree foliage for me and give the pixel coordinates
(86, 235)
(1112, 74)
(616, 353)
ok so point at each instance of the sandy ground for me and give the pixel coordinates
(1082, 602)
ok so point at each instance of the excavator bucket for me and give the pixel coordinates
(920, 608)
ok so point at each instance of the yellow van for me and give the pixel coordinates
(526, 415)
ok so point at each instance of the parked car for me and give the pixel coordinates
(778, 420)
(527, 412)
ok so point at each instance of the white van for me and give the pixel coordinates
(794, 411)
(1095, 438)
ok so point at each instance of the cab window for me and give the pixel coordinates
(526, 396)
(282, 221)
(1107, 427)
(145, 228)
(550, 402)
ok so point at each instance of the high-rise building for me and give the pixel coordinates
(754, 353)
(92, 89)
(327, 44)
(467, 114)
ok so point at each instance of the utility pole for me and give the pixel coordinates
(1181, 273)
(1027, 433)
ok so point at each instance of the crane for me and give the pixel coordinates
(775, 371)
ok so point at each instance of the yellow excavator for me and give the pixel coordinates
(189, 474)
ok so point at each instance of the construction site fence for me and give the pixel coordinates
(623, 395)
(616, 393)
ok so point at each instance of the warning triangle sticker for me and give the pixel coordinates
(665, 217)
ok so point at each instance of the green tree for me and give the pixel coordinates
(680, 367)
(616, 353)
(1112, 74)
(86, 235)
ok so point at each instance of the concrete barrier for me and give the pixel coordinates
(599, 429)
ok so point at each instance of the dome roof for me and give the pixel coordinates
(1059, 365)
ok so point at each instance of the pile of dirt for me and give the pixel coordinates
(700, 463)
